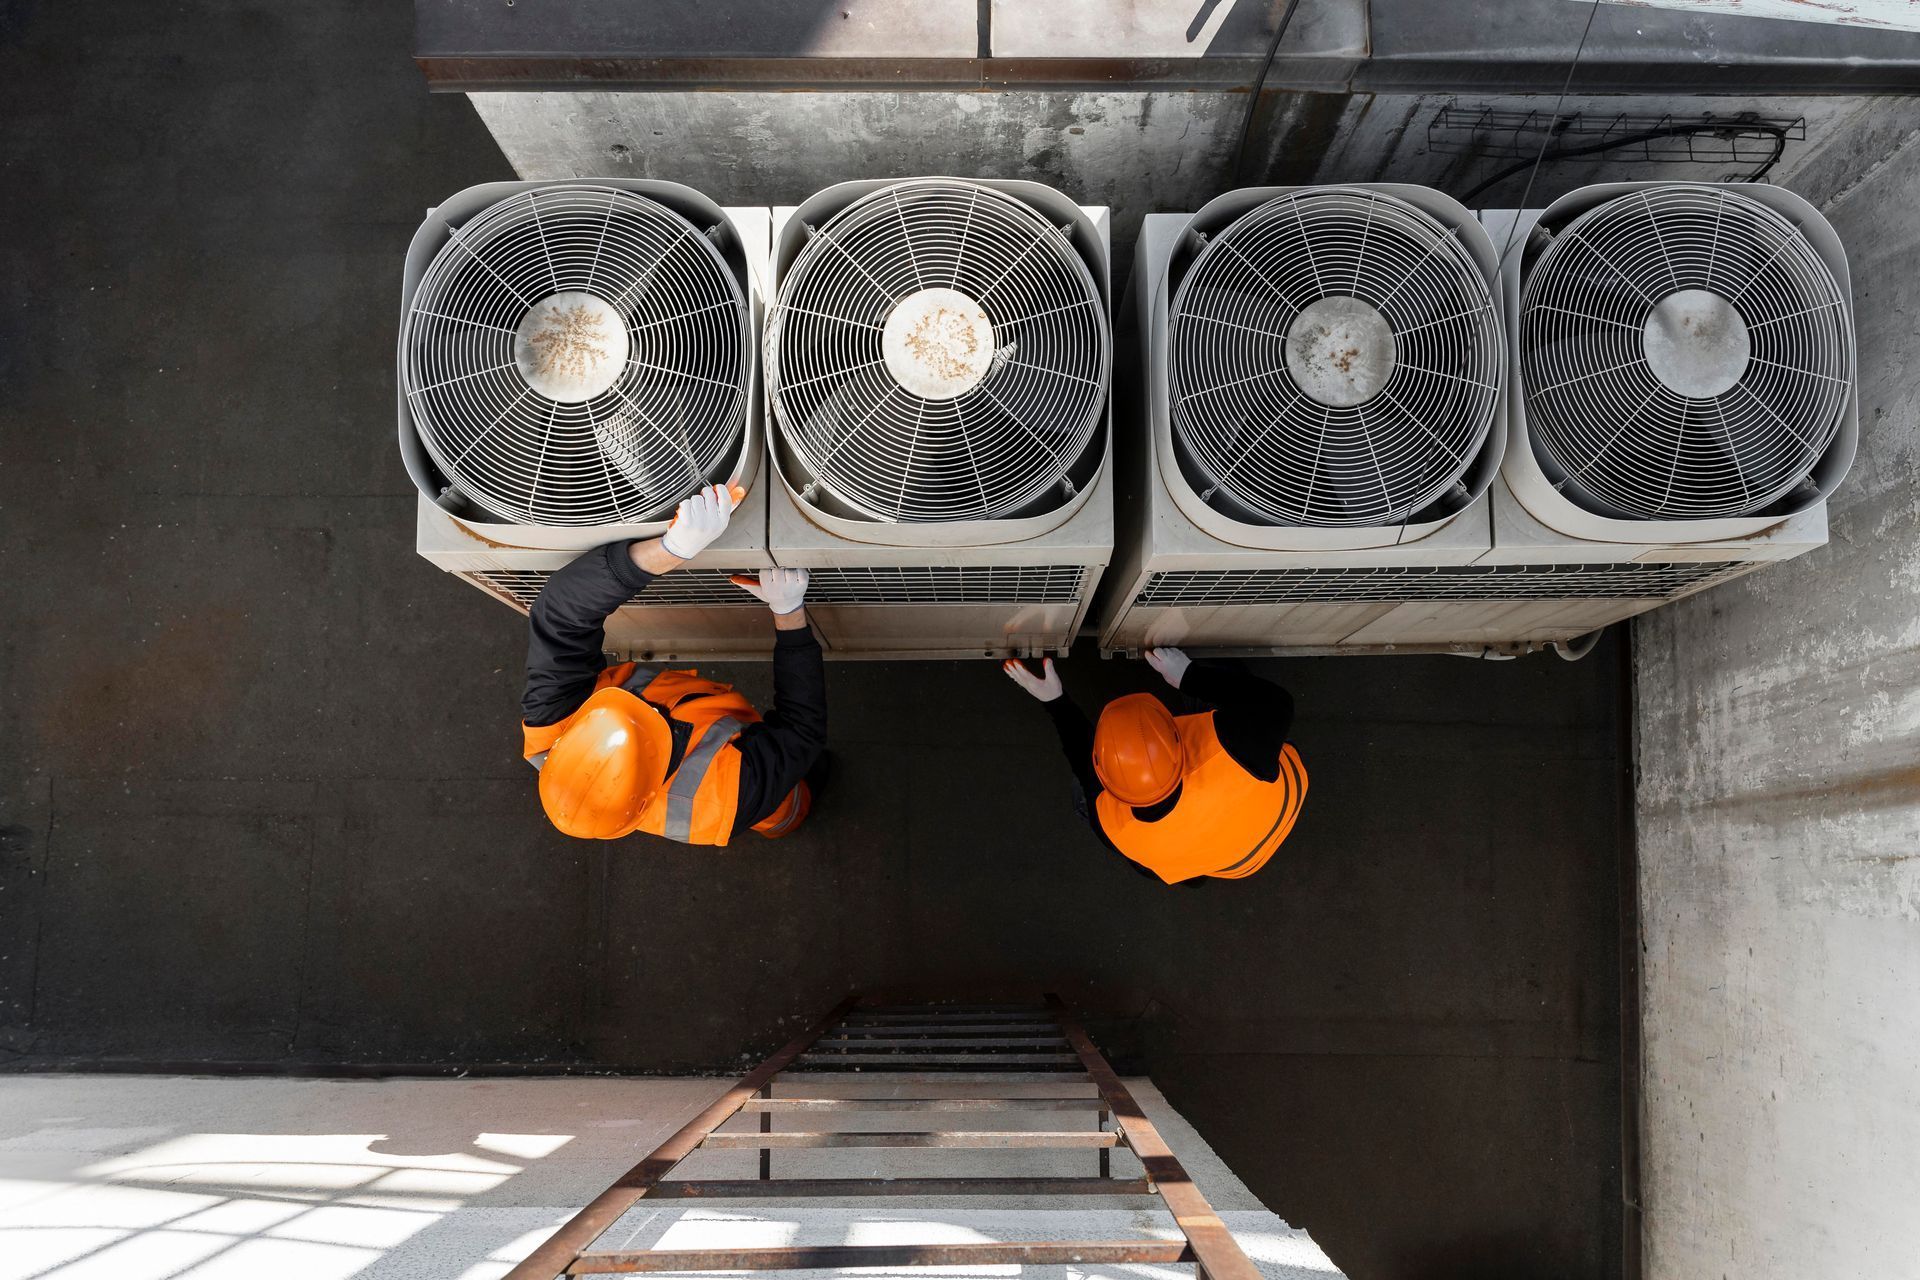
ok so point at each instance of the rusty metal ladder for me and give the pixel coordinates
(967, 1060)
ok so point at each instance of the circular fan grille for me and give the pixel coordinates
(1684, 353)
(1334, 358)
(939, 352)
(578, 355)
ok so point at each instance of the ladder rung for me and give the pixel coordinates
(983, 1140)
(756, 1188)
(1003, 1082)
(870, 1010)
(944, 1084)
(941, 1042)
(923, 1104)
(811, 1059)
(961, 1023)
(822, 1257)
(946, 1029)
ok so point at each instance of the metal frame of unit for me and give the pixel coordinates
(1545, 571)
(1015, 587)
(1584, 571)
(1185, 575)
(692, 613)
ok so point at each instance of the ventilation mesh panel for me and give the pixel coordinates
(1251, 428)
(1620, 437)
(945, 584)
(1440, 582)
(889, 453)
(670, 423)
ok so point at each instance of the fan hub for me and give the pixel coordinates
(938, 344)
(1340, 352)
(571, 347)
(1696, 343)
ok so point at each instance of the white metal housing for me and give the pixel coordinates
(1505, 575)
(1582, 570)
(692, 613)
(1544, 487)
(1186, 574)
(928, 587)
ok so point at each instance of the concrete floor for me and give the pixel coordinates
(165, 1178)
(260, 801)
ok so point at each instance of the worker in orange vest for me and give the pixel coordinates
(627, 748)
(1207, 794)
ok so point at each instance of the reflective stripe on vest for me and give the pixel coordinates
(685, 784)
(697, 805)
(1226, 823)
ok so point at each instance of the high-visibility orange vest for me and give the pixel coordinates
(1226, 823)
(698, 801)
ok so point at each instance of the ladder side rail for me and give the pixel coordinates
(562, 1249)
(1217, 1254)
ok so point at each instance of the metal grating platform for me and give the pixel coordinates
(873, 585)
(1440, 582)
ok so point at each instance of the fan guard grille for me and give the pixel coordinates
(1334, 360)
(1685, 354)
(1014, 391)
(674, 414)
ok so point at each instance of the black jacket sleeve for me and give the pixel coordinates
(1076, 740)
(567, 633)
(778, 752)
(1252, 716)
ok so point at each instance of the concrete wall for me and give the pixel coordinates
(1140, 152)
(169, 1178)
(1779, 833)
(1137, 152)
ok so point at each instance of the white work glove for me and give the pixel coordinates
(1045, 687)
(784, 590)
(1170, 663)
(700, 519)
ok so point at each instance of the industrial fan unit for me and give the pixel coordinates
(575, 357)
(1320, 415)
(937, 365)
(1683, 400)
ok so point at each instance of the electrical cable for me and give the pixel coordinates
(1253, 94)
(1578, 648)
(1777, 132)
(1593, 11)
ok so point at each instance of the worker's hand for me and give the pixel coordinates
(700, 519)
(1045, 687)
(784, 590)
(1170, 663)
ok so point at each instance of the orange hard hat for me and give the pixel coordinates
(1136, 750)
(606, 766)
